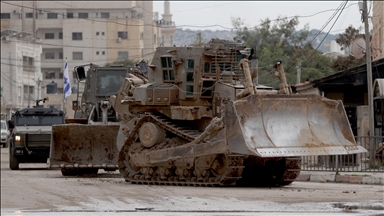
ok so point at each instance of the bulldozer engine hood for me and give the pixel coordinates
(288, 125)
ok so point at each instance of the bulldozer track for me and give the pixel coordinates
(234, 162)
(232, 174)
(292, 170)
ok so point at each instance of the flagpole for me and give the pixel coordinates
(64, 99)
(67, 86)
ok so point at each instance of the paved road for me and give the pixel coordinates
(36, 190)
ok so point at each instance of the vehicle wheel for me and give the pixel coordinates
(13, 162)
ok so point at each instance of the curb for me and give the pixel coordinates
(352, 178)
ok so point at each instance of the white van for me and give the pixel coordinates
(4, 133)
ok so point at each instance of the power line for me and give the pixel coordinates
(325, 35)
(178, 26)
(326, 23)
(320, 42)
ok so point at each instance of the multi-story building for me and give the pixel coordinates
(20, 71)
(83, 32)
(377, 43)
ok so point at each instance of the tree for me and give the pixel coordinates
(346, 39)
(279, 40)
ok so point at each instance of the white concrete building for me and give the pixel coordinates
(333, 49)
(21, 76)
(83, 32)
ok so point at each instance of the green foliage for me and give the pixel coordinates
(345, 62)
(280, 40)
(346, 39)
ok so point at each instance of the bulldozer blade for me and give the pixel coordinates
(84, 146)
(288, 125)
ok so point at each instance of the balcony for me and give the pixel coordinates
(29, 68)
(167, 26)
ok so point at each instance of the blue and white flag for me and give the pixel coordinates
(67, 84)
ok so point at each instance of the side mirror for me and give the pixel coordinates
(75, 105)
(143, 66)
(80, 71)
(10, 125)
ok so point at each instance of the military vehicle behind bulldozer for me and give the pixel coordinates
(31, 134)
(200, 120)
(87, 142)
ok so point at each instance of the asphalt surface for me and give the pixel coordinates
(36, 190)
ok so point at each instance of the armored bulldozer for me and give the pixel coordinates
(86, 143)
(200, 120)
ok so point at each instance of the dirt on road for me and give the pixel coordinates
(34, 187)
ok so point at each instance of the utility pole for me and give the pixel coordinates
(34, 22)
(369, 83)
(298, 78)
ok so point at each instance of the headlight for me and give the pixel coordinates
(17, 138)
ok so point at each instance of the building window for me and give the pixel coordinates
(69, 15)
(61, 75)
(28, 61)
(77, 36)
(97, 52)
(123, 35)
(50, 75)
(29, 15)
(83, 15)
(77, 55)
(5, 16)
(102, 33)
(141, 35)
(60, 55)
(103, 52)
(162, 39)
(154, 40)
(168, 71)
(97, 33)
(104, 15)
(49, 55)
(29, 92)
(60, 35)
(122, 55)
(49, 36)
(52, 15)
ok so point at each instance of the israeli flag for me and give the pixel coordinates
(67, 84)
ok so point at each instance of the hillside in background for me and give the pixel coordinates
(187, 36)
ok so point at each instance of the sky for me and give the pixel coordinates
(216, 15)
